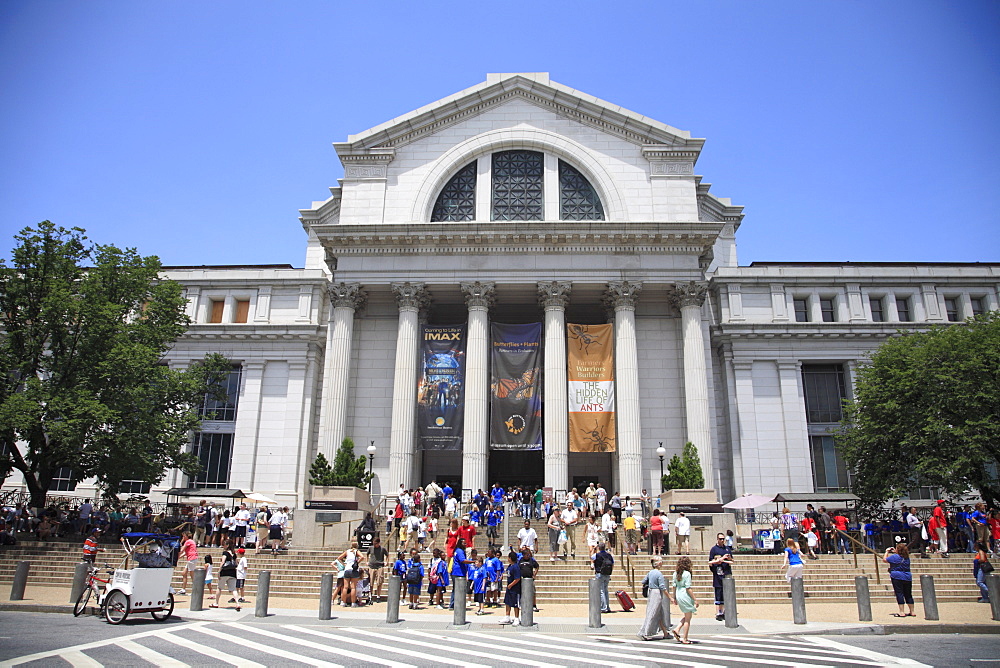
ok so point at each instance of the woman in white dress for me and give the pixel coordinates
(593, 535)
(657, 602)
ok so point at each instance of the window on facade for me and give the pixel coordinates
(577, 198)
(824, 388)
(517, 191)
(517, 185)
(215, 452)
(903, 309)
(801, 310)
(223, 409)
(977, 305)
(217, 307)
(829, 470)
(827, 310)
(63, 480)
(242, 310)
(876, 306)
(457, 201)
(133, 487)
(951, 308)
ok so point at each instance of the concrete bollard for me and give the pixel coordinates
(595, 603)
(392, 600)
(729, 598)
(79, 580)
(798, 601)
(864, 598)
(993, 587)
(263, 593)
(20, 581)
(461, 586)
(929, 597)
(527, 601)
(197, 603)
(325, 595)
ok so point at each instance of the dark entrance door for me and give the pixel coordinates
(515, 468)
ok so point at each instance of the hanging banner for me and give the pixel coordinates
(441, 389)
(591, 374)
(515, 394)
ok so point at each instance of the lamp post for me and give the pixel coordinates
(660, 451)
(371, 464)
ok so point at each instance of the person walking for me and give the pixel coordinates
(376, 567)
(656, 530)
(437, 579)
(460, 564)
(351, 559)
(720, 560)
(554, 526)
(898, 559)
(916, 528)
(684, 599)
(793, 561)
(570, 517)
(604, 566)
(227, 578)
(941, 528)
(527, 537)
(91, 548)
(189, 550)
(981, 567)
(657, 602)
(682, 528)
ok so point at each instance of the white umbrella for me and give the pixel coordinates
(749, 501)
(259, 498)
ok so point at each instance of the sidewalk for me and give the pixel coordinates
(765, 619)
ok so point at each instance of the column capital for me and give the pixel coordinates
(411, 295)
(479, 294)
(687, 294)
(742, 364)
(554, 294)
(789, 365)
(349, 295)
(622, 295)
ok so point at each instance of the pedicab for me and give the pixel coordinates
(146, 586)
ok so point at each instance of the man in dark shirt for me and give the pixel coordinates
(528, 566)
(825, 525)
(376, 567)
(604, 565)
(720, 559)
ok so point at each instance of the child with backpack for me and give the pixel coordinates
(478, 577)
(414, 578)
(494, 569)
(437, 579)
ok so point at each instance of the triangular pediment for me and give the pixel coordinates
(499, 89)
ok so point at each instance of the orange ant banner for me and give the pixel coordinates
(590, 363)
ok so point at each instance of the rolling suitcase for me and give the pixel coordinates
(625, 600)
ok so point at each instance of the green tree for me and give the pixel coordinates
(926, 412)
(347, 470)
(684, 472)
(83, 332)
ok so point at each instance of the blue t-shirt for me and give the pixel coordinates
(447, 491)
(474, 517)
(479, 577)
(497, 494)
(794, 558)
(899, 568)
(869, 529)
(399, 568)
(458, 569)
(514, 575)
(494, 567)
(494, 518)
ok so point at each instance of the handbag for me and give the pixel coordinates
(645, 590)
(986, 567)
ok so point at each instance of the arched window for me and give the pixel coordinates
(516, 183)
(457, 201)
(577, 198)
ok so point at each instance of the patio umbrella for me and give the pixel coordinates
(748, 501)
(260, 498)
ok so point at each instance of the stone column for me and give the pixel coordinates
(478, 297)
(346, 299)
(410, 297)
(689, 297)
(622, 296)
(554, 296)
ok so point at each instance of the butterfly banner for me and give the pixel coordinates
(590, 358)
(441, 389)
(515, 398)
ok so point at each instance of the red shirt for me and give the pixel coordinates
(656, 523)
(840, 522)
(807, 524)
(90, 547)
(995, 528)
(468, 533)
(449, 546)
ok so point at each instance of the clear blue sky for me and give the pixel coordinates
(850, 130)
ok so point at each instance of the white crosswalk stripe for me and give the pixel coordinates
(334, 647)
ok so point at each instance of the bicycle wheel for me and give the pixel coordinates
(116, 607)
(81, 602)
(160, 615)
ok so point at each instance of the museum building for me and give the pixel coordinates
(476, 256)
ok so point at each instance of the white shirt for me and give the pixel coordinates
(412, 523)
(242, 517)
(683, 526)
(279, 518)
(450, 505)
(528, 537)
(85, 509)
(569, 515)
(607, 524)
(241, 569)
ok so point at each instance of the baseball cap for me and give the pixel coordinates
(241, 551)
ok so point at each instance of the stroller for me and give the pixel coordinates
(364, 589)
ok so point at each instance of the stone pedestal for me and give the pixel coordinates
(329, 516)
(707, 516)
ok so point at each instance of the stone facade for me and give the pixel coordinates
(706, 350)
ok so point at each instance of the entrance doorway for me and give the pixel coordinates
(514, 467)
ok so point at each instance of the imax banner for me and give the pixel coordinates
(441, 390)
(515, 401)
(590, 357)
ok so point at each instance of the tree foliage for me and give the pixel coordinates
(926, 412)
(684, 472)
(83, 332)
(347, 470)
